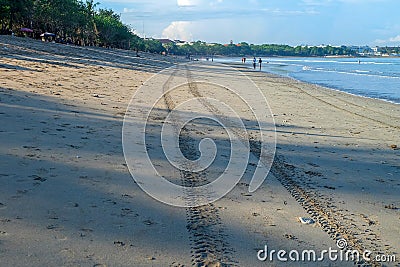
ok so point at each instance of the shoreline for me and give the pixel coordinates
(344, 56)
(236, 64)
(68, 198)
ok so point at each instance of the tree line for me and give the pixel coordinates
(390, 50)
(76, 21)
(245, 49)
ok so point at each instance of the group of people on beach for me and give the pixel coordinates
(255, 61)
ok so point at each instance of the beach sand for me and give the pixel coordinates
(68, 199)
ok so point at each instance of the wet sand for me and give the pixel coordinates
(68, 199)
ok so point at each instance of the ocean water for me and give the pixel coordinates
(369, 77)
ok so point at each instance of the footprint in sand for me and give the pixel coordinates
(38, 178)
(61, 237)
(2, 233)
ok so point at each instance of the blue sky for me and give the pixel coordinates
(293, 22)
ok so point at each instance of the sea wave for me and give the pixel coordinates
(356, 72)
(369, 77)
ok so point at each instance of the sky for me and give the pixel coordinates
(292, 22)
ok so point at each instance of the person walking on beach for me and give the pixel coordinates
(260, 62)
(254, 62)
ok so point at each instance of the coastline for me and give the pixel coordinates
(323, 87)
(362, 91)
(68, 199)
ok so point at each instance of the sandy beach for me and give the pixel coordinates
(67, 197)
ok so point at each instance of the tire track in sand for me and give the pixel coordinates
(320, 207)
(206, 230)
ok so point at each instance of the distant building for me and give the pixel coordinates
(362, 50)
(377, 51)
(179, 42)
(231, 43)
(176, 42)
(165, 41)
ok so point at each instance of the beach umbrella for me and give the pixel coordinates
(26, 30)
(47, 34)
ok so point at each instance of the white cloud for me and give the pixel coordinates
(178, 30)
(362, 1)
(128, 10)
(198, 3)
(395, 39)
(380, 41)
(185, 3)
(329, 2)
(316, 3)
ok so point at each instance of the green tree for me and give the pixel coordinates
(15, 14)
(171, 48)
(153, 46)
